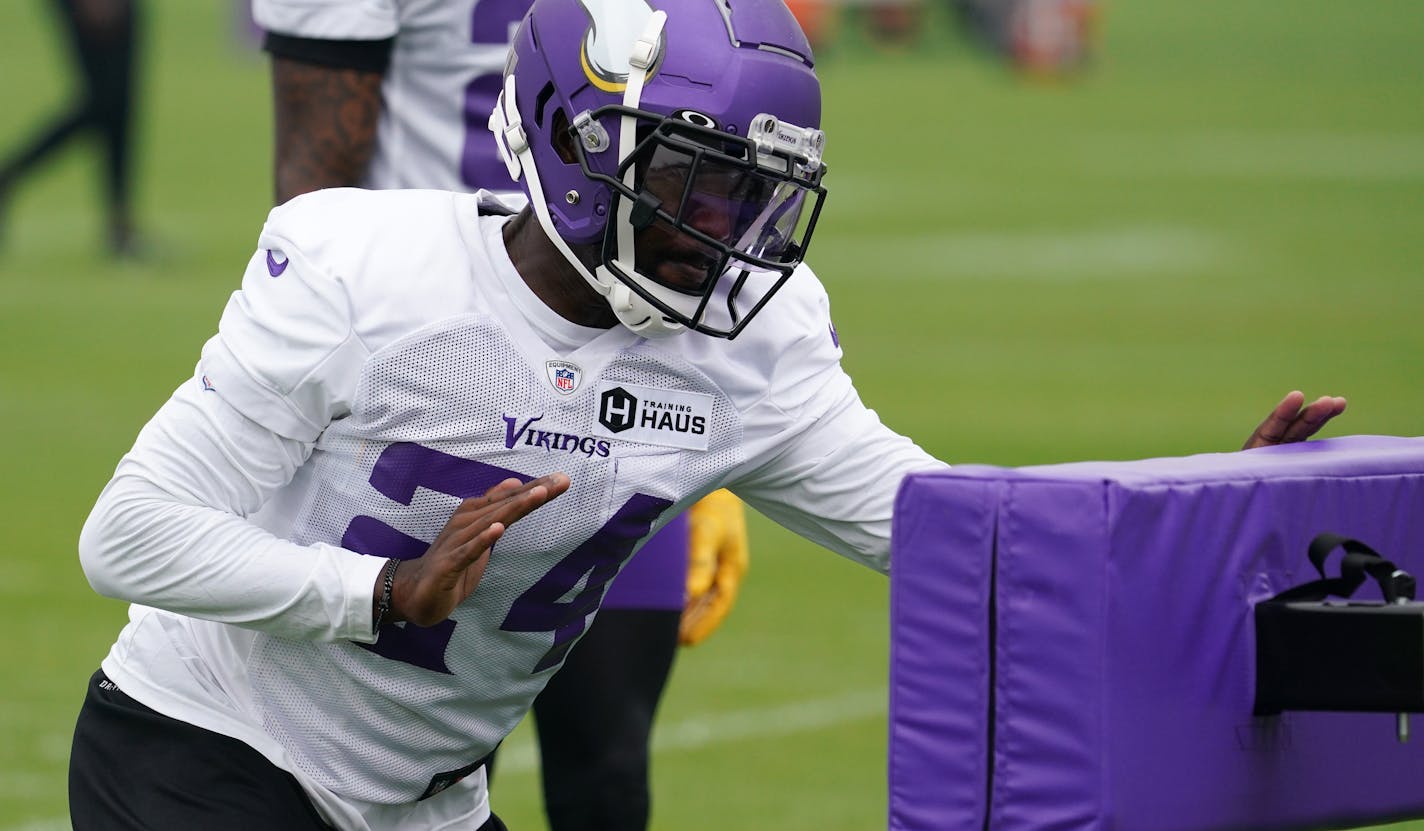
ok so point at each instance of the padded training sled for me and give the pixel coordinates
(1073, 646)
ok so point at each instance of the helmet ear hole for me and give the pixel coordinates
(541, 101)
(562, 137)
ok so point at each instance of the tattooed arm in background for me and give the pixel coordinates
(326, 102)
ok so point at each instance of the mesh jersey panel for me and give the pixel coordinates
(376, 728)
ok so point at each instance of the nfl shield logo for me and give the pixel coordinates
(564, 376)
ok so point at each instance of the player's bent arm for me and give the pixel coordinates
(836, 482)
(328, 61)
(170, 530)
(325, 122)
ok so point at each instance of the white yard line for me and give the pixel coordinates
(1058, 255)
(733, 726)
(1307, 156)
(56, 824)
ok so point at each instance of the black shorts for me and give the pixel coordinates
(135, 769)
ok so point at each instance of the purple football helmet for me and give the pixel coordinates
(682, 136)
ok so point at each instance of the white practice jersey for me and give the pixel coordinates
(445, 71)
(382, 361)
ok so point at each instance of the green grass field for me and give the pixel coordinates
(1229, 206)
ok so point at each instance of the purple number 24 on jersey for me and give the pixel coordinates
(404, 467)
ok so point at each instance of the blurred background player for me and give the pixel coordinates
(104, 44)
(397, 94)
(1040, 37)
(1043, 38)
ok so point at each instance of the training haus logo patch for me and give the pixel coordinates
(671, 418)
(563, 375)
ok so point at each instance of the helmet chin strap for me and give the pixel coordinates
(644, 53)
(505, 123)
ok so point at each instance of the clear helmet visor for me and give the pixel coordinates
(707, 206)
(715, 230)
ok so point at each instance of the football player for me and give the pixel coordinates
(1043, 38)
(104, 41)
(369, 529)
(398, 95)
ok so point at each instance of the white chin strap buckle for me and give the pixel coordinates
(642, 317)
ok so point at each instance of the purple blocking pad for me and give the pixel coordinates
(940, 593)
(1111, 680)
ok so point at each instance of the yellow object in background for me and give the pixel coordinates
(717, 559)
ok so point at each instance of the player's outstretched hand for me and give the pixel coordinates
(427, 589)
(1292, 421)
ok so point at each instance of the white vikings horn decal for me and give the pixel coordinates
(613, 27)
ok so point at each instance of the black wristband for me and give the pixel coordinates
(388, 582)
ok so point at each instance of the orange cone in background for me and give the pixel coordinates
(816, 19)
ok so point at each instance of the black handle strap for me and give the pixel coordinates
(1359, 561)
